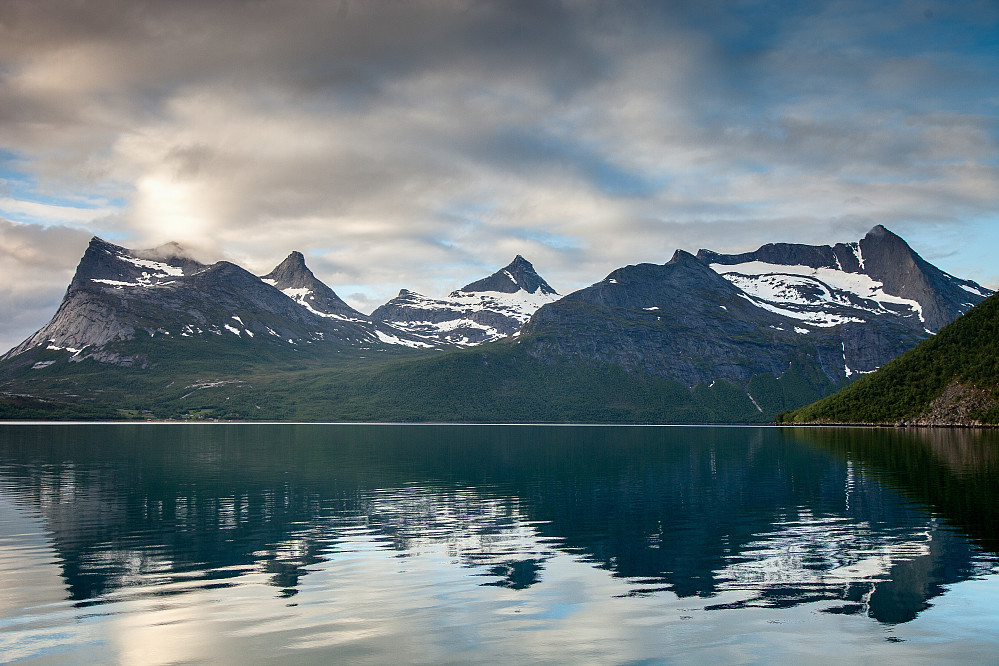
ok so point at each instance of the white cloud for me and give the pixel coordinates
(45, 213)
(37, 264)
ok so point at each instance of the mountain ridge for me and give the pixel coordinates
(117, 294)
(701, 338)
(756, 312)
(293, 278)
(482, 311)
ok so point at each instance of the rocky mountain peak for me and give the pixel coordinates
(299, 283)
(682, 256)
(482, 311)
(879, 241)
(291, 273)
(518, 275)
(106, 263)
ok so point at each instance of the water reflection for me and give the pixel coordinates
(955, 471)
(737, 518)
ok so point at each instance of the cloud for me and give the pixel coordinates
(422, 145)
(50, 213)
(37, 263)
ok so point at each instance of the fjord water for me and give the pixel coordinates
(311, 543)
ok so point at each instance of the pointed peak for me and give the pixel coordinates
(292, 272)
(518, 275)
(98, 243)
(683, 257)
(879, 231)
(295, 259)
(519, 264)
(880, 236)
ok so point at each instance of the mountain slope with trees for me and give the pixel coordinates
(949, 379)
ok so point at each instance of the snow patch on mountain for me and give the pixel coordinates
(974, 291)
(396, 340)
(482, 311)
(116, 283)
(163, 269)
(813, 317)
(793, 290)
(466, 318)
(520, 304)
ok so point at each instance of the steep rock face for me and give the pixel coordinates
(482, 311)
(942, 297)
(880, 276)
(95, 309)
(296, 281)
(699, 319)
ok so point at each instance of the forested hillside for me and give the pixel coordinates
(951, 378)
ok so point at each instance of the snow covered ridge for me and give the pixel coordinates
(486, 310)
(463, 318)
(878, 278)
(818, 296)
(788, 292)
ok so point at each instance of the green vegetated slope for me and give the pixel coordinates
(502, 383)
(951, 378)
(498, 382)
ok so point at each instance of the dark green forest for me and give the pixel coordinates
(496, 383)
(965, 351)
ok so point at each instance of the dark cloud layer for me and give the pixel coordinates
(423, 144)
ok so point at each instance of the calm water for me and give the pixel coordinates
(380, 544)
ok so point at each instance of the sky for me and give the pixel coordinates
(422, 145)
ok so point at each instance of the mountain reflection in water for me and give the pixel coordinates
(875, 522)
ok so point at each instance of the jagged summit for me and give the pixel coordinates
(292, 269)
(292, 272)
(682, 256)
(297, 282)
(104, 262)
(879, 272)
(518, 275)
(849, 308)
(481, 311)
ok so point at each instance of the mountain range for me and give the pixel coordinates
(705, 336)
(118, 294)
(849, 308)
